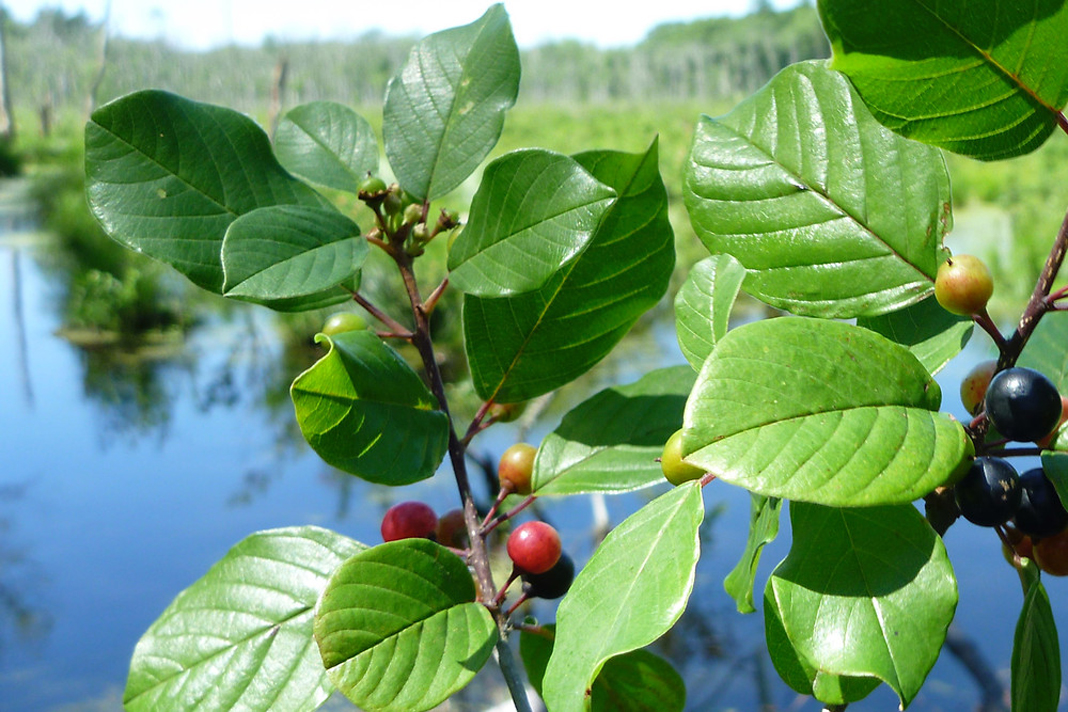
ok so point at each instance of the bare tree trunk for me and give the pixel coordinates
(278, 95)
(7, 118)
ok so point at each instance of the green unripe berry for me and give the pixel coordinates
(517, 467)
(342, 322)
(671, 463)
(370, 186)
(413, 213)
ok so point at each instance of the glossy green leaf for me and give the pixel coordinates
(534, 212)
(763, 528)
(291, 253)
(703, 305)
(1045, 349)
(166, 176)
(865, 592)
(445, 110)
(611, 442)
(800, 674)
(241, 636)
(830, 213)
(399, 629)
(986, 79)
(523, 346)
(328, 144)
(931, 333)
(1036, 655)
(638, 681)
(365, 411)
(821, 411)
(632, 590)
(1055, 465)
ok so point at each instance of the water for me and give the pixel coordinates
(121, 482)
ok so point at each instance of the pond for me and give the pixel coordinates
(124, 478)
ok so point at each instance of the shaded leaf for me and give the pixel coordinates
(1045, 349)
(821, 411)
(282, 253)
(830, 213)
(523, 346)
(445, 110)
(365, 411)
(534, 212)
(399, 629)
(166, 176)
(930, 332)
(703, 305)
(865, 592)
(986, 79)
(611, 442)
(241, 636)
(327, 143)
(1036, 655)
(632, 590)
(763, 528)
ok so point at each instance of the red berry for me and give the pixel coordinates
(452, 529)
(973, 387)
(516, 468)
(1051, 554)
(409, 520)
(534, 547)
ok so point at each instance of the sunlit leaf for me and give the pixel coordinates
(930, 332)
(987, 79)
(611, 442)
(327, 143)
(445, 110)
(1045, 349)
(831, 214)
(399, 629)
(1036, 655)
(534, 212)
(241, 636)
(820, 411)
(365, 411)
(166, 176)
(865, 592)
(632, 590)
(703, 305)
(763, 528)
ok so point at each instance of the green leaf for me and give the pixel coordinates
(523, 346)
(865, 593)
(1036, 655)
(703, 305)
(1045, 349)
(632, 590)
(821, 411)
(166, 176)
(830, 213)
(241, 636)
(986, 79)
(611, 442)
(638, 681)
(930, 332)
(399, 629)
(365, 411)
(1055, 465)
(445, 110)
(800, 674)
(763, 528)
(288, 253)
(328, 144)
(534, 212)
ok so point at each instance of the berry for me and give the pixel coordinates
(371, 186)
(554, 583)
(963, 285)
(973, 387)
(1023, 404)
(989, 492)
(1022, 545)
(342, 322)
(409, 520)
(672, 465)
(534, 547)
(1051, 554)
(1050, 438)
(452, 529)
(506, 412)
(516, 468)
(1041, 512)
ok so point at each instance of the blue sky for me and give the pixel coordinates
(200, 24)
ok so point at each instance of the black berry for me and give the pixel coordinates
(555, 582)
(1041, 512)
(989, 493)
(1023, 404)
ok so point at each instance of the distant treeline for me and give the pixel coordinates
(59, 63)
